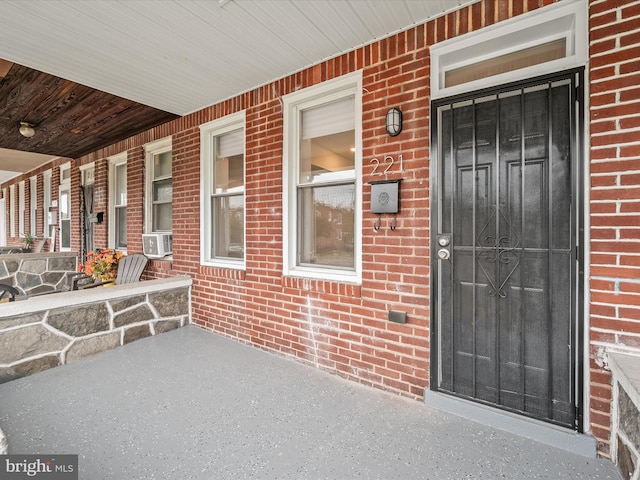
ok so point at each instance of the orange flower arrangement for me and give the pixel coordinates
(102, 264)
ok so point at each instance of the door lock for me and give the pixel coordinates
(444, 242)
(444, 254)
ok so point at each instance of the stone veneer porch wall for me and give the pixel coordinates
(34, 273)
(625, 431)
(46, 331)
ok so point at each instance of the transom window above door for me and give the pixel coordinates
(546, 40)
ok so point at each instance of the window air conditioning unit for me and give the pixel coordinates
(157, 245)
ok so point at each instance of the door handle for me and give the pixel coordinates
(444, 254)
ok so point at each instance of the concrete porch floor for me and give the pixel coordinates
(189, 404)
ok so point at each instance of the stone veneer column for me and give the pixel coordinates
(625, 433)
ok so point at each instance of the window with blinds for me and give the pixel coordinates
(159, 191)
(322, 180)
(326, 184)
(227, 199)
(118, 201)
(223, 171)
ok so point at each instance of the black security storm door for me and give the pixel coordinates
(505, 248)
(87, 210)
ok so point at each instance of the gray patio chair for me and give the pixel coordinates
(8, 293)
(130, 268)
(39, 245)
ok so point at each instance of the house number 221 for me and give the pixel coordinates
(389, 160)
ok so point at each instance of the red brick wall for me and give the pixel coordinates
(101, 201)
(185, 160)
(135, 199)
(614, 286)
(76, 202)
(39, 206)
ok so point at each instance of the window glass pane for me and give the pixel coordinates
(46, 202)
(162, 165)
(12, 207)
(327, 143)
(88, 176)
(326, 225)
(121, 227)
(507, 63)
(33, 198)
(162, 217)
(121, 185)
(65, 204)
(228, 218)
(65, 234)
(65, 219)
(162, 190)
(229, 174)
(327, 159)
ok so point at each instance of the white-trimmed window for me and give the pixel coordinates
(159, 191)
(223, 178)
(33, 205)
(12, 210)
(118, 201)
(22, 207)
(322, 180)
(64, 202)
(46, 203)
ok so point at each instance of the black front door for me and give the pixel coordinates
(505, 248)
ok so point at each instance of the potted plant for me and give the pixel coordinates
(28, 240)
(102, 265)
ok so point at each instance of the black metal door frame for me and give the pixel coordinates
(577, 274)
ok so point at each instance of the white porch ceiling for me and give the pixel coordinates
(14, 162)
(183, 55)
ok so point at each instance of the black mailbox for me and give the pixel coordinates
(384, 196)
(96, 217)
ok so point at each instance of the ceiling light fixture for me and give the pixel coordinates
(26, 129)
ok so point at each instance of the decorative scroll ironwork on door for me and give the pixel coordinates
(502, 249)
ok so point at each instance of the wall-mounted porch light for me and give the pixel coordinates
(394, 121)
